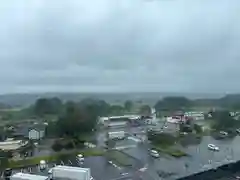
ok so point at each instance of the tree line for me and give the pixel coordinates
(75, 118)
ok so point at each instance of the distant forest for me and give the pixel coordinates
(211, 100)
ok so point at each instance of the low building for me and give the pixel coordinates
(11, 144)
(23, 176)
(113, 121)
(195, 115)
(34, 132)
(37, 132)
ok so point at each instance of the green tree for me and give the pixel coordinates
(223, 120)
(161, 138)
(57, 146)
(45, 106)
(128, 105)
(198, 128)
(173, 104)
(116, 110)
(80, 118)
(145, 110)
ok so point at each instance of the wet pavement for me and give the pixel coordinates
(200, 159)
(101, 169)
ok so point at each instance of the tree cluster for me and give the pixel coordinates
(161, 138)
(173, 104)
(223, 120)
(45, 106)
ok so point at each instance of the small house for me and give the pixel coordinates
(37, 132)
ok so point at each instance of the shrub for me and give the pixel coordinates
(161, 138)
(197, 128)
(57, 146)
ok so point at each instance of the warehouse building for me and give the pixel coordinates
(58, 173)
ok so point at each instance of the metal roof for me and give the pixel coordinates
(28, 176)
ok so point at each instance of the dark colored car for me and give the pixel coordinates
(7, 173)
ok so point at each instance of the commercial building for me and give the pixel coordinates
(195, 115)
(23, 176)
(116, 121)
(11, 144)
(37, 132)
(58, 173)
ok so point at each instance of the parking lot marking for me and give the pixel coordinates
(70, 162)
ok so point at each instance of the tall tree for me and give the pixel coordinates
(145, 110)
(116, 110)
(128, 105)
(223, 120)
(172, 103)
(81, 117)
(47, 106)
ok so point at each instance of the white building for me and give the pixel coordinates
(37, 132)
(11, 144)
(73, 173)
(58, 173)
(195, 115)
(23, 176)
(113, 121)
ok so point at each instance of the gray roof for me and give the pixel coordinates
(38, 127)
(23, 130)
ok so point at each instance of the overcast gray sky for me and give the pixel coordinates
(120, 45)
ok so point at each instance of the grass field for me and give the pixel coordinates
(119, 158)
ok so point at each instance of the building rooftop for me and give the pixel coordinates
(12, 144)
(38, 127)
(25, 176)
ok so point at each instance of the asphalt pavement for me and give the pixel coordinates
(101, 169)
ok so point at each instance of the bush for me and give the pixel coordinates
(69, 145)
(57, 147)
(161, 138)
(171, 151)
(198, 128)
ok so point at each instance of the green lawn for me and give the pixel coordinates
(119, 158)
(52, 158)
(170, 151)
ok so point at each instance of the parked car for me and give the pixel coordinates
(80, 159)
(238, 130)
(154, 153)
(7, 173)
(42, 165)
(223, 133)
(213, 147)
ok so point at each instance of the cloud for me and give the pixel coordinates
(139, 45)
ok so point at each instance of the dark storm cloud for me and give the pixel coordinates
(158, 45)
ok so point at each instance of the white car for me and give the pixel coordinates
(213, 147)
(223, 133)
(42, 164)
(154, 153)
(80, 158)
(238, 131)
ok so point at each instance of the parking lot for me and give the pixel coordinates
(101, 169)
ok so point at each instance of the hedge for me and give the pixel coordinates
(171, 151)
